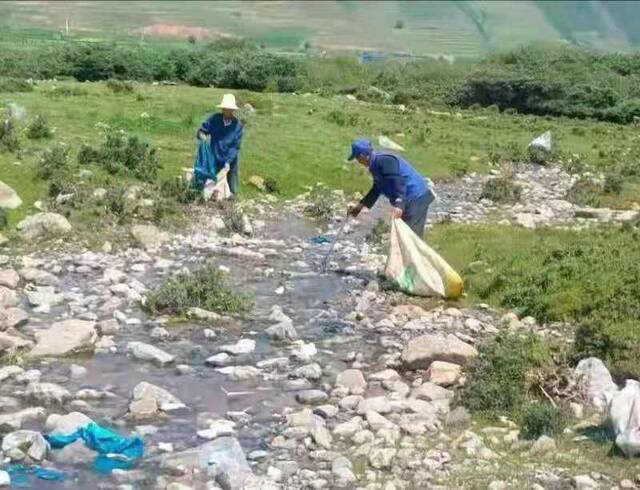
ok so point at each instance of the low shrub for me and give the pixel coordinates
(271, 185)
(204, 288)
(585, 192)
(8, 136)
(53, 162)
(9, 85)
(124, 154)
(232, 216)
(502, 376)
(343, 118)
(3, 219)
(380, 232)
(320, 202)
(179, 190)
(39, 129)
(613, 184)
(120, 87)
(66, 91)
(542, 418)
(501, 190)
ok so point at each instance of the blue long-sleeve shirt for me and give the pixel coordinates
(225, 140)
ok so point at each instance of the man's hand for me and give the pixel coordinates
(354, 210)
(201, 135)
(396, 213)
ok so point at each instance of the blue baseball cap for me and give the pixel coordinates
(360, 147)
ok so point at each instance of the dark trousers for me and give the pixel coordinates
(233, 177)
(415, 213)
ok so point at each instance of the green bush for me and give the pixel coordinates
(9, 85)
(53, 162)
(613, 184)
(501, 190)
(120, 87)
(65, 91)
(585, 192)
(123, 154)
(39, 129)
(179, 190)
(502, 376)
(542, 418)
(232, 216)
(204, 288)
(8, 137)
(3, 219)
(271, 185)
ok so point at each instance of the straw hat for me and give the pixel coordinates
(228, 102)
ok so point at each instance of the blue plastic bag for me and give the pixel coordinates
(204, 167)
(20, 474)
(105, 442)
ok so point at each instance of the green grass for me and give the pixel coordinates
(290, 138)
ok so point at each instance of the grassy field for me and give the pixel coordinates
(460, 29)
(297, 140)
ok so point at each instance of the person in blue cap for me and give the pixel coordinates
(395, 178)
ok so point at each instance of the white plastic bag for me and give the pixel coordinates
(219, 190)
(416, 268)
(543, 142)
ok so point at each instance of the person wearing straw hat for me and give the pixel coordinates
(225, 131)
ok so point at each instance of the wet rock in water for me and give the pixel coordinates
(47, 393)
(148, 399)
(379, 404)
(149, 237)
(43, 225)
(9, 199)
(9, 372)
(421, 351)
(386, 375)
(21, 444)
(15, 421)
(326, 411)
(311, 397)
(12, 318)
(184, 369)
(9, 278)
(218, 428)
(282, 331)
(147, 352)
(310, 371)
(65, 338)
(159, 333)
(8, 297)
(39, 277)
(204, 315)
(277, 315)
(5, 479)
(314, 424)
(222, 460)
(342, 470)
(217, 360)
(353, 379)
(44, 297)
(243, 346)
(239, 373)
(444, 373)
(76, 372)
(303, 352)
(66, 424)
(75, 453)
(599, 384)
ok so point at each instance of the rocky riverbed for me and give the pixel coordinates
(330, 382)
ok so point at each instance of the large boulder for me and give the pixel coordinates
(9, 278)
(221, 459)
(65, 338)
(13, 342)
(21, 444)
(421, 351)
(149, 237)
(43, 225)
(66, 424)
(598, 383)
(9, 198)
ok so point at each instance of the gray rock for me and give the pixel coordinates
(150, 394)
(14, 421)
(421, 351)
(314, 424)
(222, 460)
(77, 372)
(147, 352)
(9, 199)
(66, 424)
(431, 392)
(9, 278)
(12, 342)
(39, 277)
(43, 225)
(25, 443)
(353, 379)
(47, 393)
(65, 338)
(282, 331)
(444, 373)
(458, 418)
(585, 482)
(5, 479)
(218, 428)
(599, 384)
(243, 346)
(382, 458)
(44, 297)
(377, 421)
(311, 397)
(75, 453)
(326, 411)
(12, 318)
(160, 333)
(310, 371)
(218, 360)
(8, 297)
(9, 372)
(543, 444)
(342, 470)
(239, 373)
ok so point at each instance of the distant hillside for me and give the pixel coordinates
(453, 28)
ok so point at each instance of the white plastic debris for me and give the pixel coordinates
(543, 142)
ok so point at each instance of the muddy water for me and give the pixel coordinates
(313, 300)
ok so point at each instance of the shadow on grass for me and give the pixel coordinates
(602, 436)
